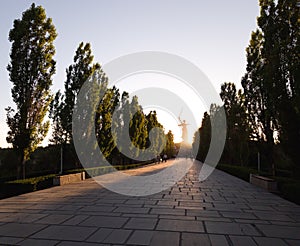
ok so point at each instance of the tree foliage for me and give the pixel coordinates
(264, 117)
(271, 83)
(236, 147)
(170, 145)
(63, 104)
(30, 70)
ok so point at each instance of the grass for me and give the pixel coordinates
(96, 171)
(21, 186)
(237, 171)
(36, 183)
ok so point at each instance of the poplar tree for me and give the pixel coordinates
(170, 145)
(30, 70)
(158, 138)
(104, 121)
(202, 138)
(138, 126)
(271, 84)
(63, 105)
(236, 148)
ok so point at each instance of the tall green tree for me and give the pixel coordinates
(254, 93)
(236, 148)
(202, 138)
(271, 83)
(281, 50)
(130, 121)
(138, 126)
(152, 122)
(55, 115)
(63, 105)
(170, 145)
(30, 70)
(104, 121)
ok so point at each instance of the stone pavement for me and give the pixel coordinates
(222, 210)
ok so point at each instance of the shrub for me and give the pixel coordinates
(288, 187)
(17, 187)
(238, 171)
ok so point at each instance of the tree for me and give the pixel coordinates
(271, 83)
(104, 121)
(55, 113)
(202, 138)
(153, 122)
(170, 145)
(30, 70)
(236, 148)
(254, 93)
(63, 105)
(138, 126)
(281, 51)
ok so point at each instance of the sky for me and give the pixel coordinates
(213, 35)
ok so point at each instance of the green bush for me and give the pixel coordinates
(96, 171)
(21, 186)
(17, 187)
(288, 187)
(36, 183)
(238, 171)
(290, 191)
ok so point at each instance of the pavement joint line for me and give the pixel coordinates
(204, 227)
(129, 236)
(257, 229)
(230, 243)
(156, 224)
(180, 239)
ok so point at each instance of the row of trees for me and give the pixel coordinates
(265, 116)
(113, 110)
(31, 69)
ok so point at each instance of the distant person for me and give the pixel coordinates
(165, 157)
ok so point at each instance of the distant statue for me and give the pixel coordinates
(183, 125)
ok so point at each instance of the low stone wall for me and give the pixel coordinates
(264, 182)
(69, 178)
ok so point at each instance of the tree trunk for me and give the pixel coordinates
(19, 168)
(23, 167)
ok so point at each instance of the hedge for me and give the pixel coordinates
(289, 188)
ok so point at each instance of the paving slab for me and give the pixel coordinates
(289, 232)
(222, 210)
(266, 241)
(195, 239)
(165, 238)
(105, 221)
(141, 223)
(19, 230)
(10, 240)
(218, 240)
(231, 228)
(72, 233)
(140, 237)
(241, 240)
(180, 225)
(37, 242)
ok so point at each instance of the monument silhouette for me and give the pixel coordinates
(184, 135)
(185, 146)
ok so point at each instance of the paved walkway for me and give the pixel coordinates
(223, 210)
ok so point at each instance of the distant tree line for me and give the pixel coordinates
(264, 117)
(31, 69)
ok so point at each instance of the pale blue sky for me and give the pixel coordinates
(211, 34)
